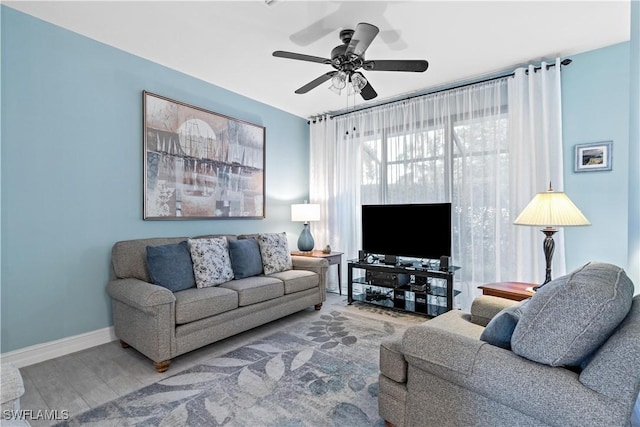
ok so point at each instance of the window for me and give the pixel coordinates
(460, 154)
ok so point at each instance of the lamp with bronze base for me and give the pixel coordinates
(550, 209)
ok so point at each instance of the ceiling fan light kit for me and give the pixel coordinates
(338, 82)
(358, 82)
(347, 58)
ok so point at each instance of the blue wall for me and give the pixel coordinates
(595, 107)
(71, 165)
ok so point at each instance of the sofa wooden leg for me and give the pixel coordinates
(162, 366)
(388, 424)
(318, 306)
(124, 344)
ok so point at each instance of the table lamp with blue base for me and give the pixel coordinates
(305, 212)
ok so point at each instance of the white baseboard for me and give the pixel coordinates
(52, 349)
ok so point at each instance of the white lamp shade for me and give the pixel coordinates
(551, 208)
(305, 212)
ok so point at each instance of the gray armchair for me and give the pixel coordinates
(441, 374)
(11, 389)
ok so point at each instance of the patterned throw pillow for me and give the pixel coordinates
(211, 262)
(274, 249)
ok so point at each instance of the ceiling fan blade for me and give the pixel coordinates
(362, 38)
(314, 83)
(417, 65)
(368, 92)
(301, 57)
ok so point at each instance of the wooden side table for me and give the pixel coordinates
(334, 258)
(516, 291)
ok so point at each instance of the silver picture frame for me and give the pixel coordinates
(593, 157)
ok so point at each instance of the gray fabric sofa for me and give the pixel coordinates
(440, 373)
(162, 324)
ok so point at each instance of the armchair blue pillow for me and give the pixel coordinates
(499, 330)
(170, 266)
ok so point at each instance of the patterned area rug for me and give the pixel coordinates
(322, 372)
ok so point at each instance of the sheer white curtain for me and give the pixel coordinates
(535, 149)
(454, 146)
(480, 174)
(321, 173)
(450, 146)
(334, 184)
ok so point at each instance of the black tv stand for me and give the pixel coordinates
(415, 287)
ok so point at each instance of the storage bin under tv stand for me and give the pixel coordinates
(417, 273)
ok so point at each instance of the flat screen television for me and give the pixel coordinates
(411, 230)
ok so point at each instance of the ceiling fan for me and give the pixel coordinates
(348, 57)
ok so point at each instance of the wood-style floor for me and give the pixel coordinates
(89, 378)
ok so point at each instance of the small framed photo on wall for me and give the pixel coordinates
(593, 157)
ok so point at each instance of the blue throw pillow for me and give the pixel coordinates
(499, 330)
(245, 258)
(170, 266)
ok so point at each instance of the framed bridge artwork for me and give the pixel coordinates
(199, 164)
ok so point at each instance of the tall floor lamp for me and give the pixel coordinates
(551, 209)
(304, 213)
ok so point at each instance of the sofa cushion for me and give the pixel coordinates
(274, 249)
(613, 370)
(129, 257)
(297, 280)
(170, 266)
(245, 258)
(229, 237)
(195, 304)
(499, 330)
(252, 290)
(570, 317)
(211, 263)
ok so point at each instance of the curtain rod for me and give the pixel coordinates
(566, 61)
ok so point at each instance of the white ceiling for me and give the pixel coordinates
(229, 43)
